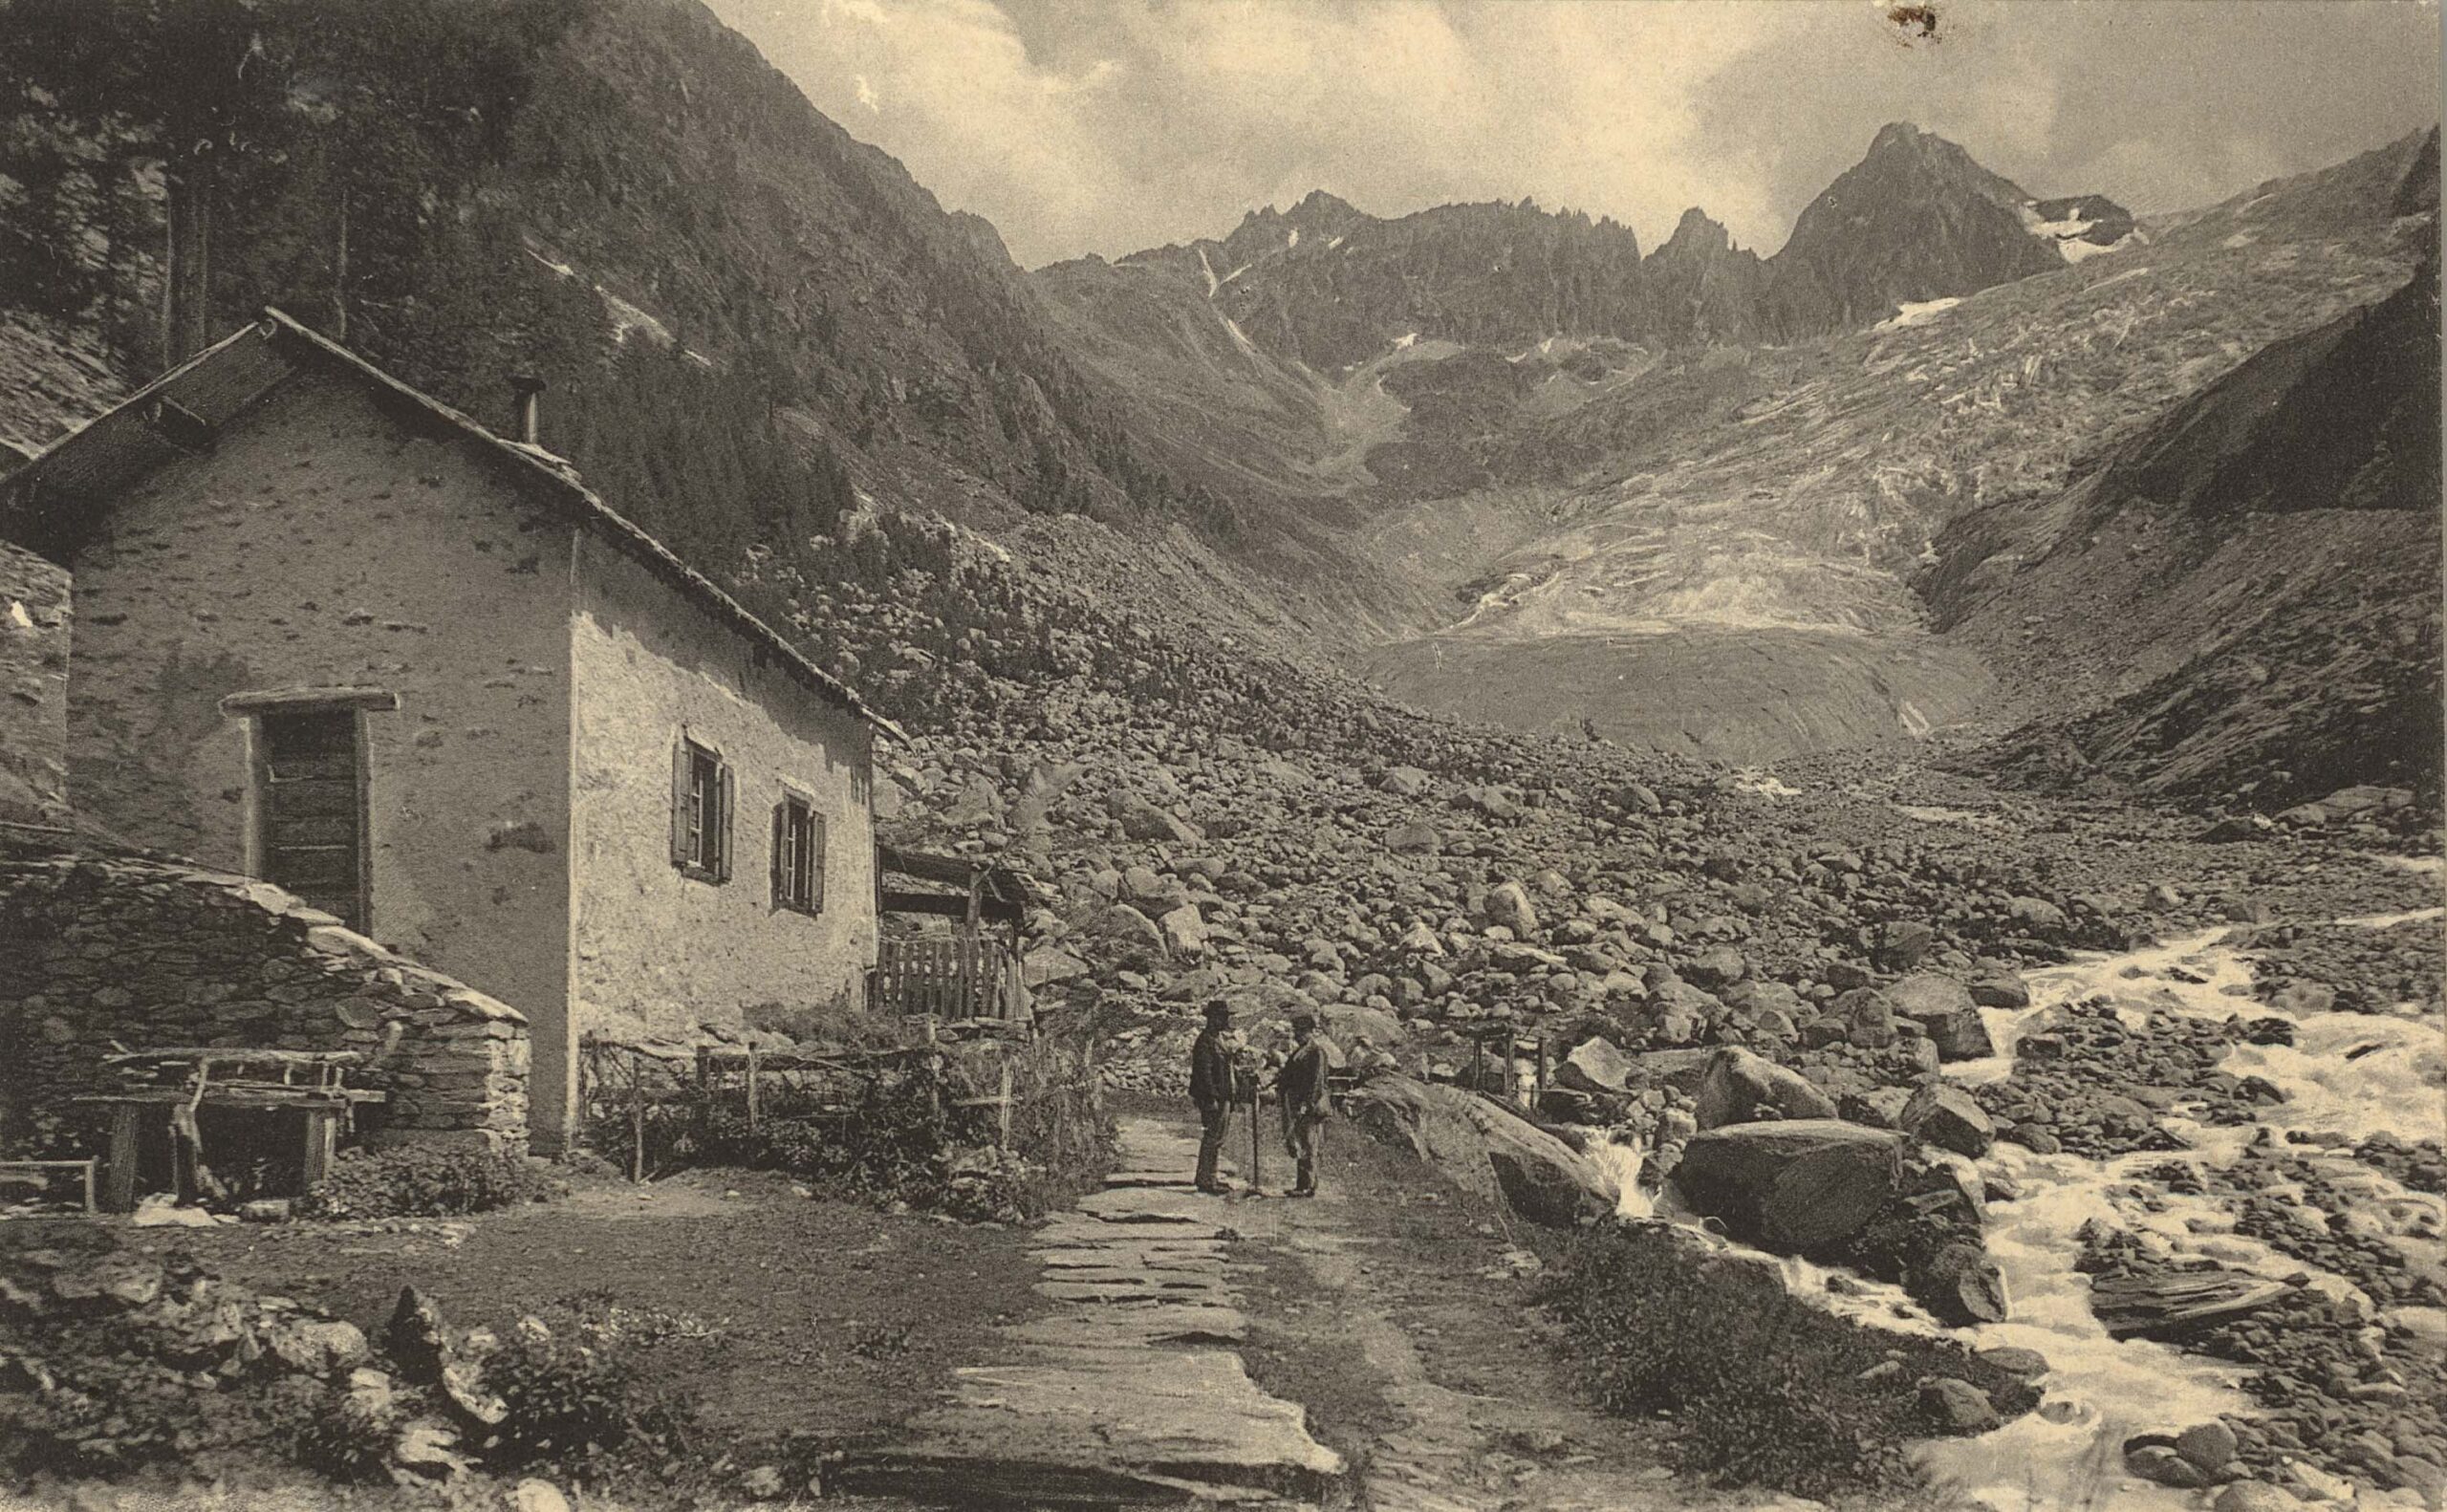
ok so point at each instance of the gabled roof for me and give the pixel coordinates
(83, 473)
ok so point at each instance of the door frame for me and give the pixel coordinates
(356, 702)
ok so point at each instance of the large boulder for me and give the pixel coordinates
(1902, 943)
(1943, 1006)
(1485, 1147)
(2001, 988)
(1945, 1116)
(1595, 1066)
(1509, 906)
(1184, 931)
(1045, 964)
(1794, 1185)
(1740, 1088)
(2035, 913)
(1680, 1069)
(1961, 1286)
(317, 1346)
(1142, 820)
(1128, 935)
(1717, 966)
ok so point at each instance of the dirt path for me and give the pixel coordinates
(1132, 1391)
(1399, 1312)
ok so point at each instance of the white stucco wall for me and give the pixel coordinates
(652, 943)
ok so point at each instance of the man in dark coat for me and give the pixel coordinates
(1210, 1088)
(1305, 1102)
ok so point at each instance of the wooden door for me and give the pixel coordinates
(310, 809)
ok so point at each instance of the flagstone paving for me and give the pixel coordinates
(1129, 1392)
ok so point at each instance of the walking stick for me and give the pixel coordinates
(1257, 1171)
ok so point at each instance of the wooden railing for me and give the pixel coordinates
(957, 976)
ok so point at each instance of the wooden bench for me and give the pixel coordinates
(9, 1171)
(182, 1081)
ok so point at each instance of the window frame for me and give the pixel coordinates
(795, 852)
(701, 813)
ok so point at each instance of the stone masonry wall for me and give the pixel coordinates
(155, 954)
(35, 629)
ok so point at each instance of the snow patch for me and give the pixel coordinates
(1331, 244)
(1208, 268)
(1291, 241)
(628, 319)
(2078, 252)
(1764, 783)
(562, 269)
(1916, 313)
(1240, 336)
(1404, 343)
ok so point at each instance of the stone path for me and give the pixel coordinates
(1130, 1393)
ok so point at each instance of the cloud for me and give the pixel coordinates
(1110, 125)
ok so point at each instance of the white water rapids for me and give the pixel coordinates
(2346, 1074)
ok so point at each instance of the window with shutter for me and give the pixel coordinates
(700, 804)
(799, 856)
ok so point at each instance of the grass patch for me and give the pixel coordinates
(1759, 1388)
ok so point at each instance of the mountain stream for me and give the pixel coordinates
(2348, 1075)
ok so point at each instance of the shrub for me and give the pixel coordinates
(581, 1397)
(423, 1181)
(335, 1433)
(1761, 1388)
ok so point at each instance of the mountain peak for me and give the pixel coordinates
(1897, 134)
(1697, 233)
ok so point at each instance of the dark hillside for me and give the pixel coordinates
(633, 205)
(2243, 599)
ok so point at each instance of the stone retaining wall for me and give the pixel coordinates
(33, 688)
(152, 954)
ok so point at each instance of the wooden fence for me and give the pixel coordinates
(959, 976)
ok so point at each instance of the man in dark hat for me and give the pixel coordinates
(1302, 1086)
(1210, 1088)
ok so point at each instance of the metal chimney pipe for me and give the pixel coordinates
(529, 390)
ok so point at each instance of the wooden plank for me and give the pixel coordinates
(321, 1144)
(312, 798)
(290, 766)
(236, 1055)
(286, 831)
(119, 1193)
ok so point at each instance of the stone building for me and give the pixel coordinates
(335, 635)
(35, 636)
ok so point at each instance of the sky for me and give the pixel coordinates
(1108, 126)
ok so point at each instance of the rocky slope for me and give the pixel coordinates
(1776, 500)
(2243, 599)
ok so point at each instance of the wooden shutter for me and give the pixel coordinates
(815, 863)
(781, 853)
(680, 856)
(719, 841)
